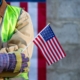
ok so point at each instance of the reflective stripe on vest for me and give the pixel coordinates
(9, 22)
(8, 26)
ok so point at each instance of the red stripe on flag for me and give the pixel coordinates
(54, 50)
(47, 49)
(39, 45)
(61, 48)
(24, 5)
(41, 25)
(58, 50)
(50, 47)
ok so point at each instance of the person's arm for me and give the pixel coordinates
(20, 39)
(23, 36)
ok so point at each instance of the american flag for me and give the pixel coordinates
(49, 45)
(37, 11)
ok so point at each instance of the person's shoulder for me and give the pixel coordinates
(25, 12)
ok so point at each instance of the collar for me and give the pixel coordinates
(2, 8)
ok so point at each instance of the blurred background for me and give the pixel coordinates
(64, 16)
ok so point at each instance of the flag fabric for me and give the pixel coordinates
(49, 45)
(37, 11)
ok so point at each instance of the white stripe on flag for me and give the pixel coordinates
(52, 51)
(42, 44)
(33, 11)
(41, 50)
(48, 49)
(59, 48)
(55, 48)
(37, 42)
(15, 3)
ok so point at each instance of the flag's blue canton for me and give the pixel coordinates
(47, 33)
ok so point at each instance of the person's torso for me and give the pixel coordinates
(4, 44)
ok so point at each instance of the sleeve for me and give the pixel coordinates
(23, 35)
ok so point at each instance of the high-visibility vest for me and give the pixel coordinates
(8, 25)
(9, 22)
